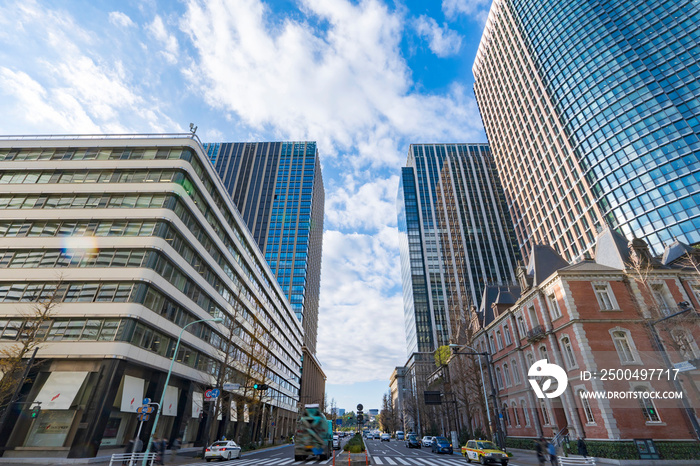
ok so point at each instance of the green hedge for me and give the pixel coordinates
(679, 450)
(355, 444)
(521, 443)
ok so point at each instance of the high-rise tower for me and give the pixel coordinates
(591, 112)
(278, 189)
(455, 238)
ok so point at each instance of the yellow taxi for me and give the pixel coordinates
(484, 452)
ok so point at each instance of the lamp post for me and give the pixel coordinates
(167, 379)
(455, 349)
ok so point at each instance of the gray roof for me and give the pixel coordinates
(589, 266)
(612, 249)
(675, 251)
(544, 261)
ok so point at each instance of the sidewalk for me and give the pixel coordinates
(528, 457)
(184, 456)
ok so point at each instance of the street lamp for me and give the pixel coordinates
(455, 349)
(167, 379)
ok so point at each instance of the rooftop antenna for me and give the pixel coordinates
(193, 128)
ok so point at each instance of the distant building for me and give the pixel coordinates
(456, 237)
(400, 392)
(341, 412)
(278, 189)
(373, 412)
(131, 240)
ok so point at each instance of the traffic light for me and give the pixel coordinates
(260, 386)
(36, 410)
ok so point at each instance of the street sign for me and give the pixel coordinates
(144, 417)
(146, 401)
(215, 393)
(228, 386)
(144, 409)
(211, 394)
(339, 422)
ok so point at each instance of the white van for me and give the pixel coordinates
(399, 435)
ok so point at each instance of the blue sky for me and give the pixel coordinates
(362, 78)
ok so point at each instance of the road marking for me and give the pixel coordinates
(402, 461)
(286, 462)
(378, 460)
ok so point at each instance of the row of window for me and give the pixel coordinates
(95, 153)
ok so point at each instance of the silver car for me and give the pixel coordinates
(427, 441)
(223, 450)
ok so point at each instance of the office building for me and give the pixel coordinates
(129, 241)
(278, 188)
(455, 238)
(591, 112)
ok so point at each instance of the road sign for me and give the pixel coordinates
(146, 401)
(215, 393)
(144, 409)
(144, 417)
(228, 386)
(339, 422)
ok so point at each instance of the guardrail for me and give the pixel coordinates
(575, 460)
(131, 459)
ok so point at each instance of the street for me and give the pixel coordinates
(379, 453)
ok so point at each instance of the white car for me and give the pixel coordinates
(427, 441)
(223, 450)
(385, 437)
(336, 442)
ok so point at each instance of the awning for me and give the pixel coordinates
(132, 394)
(60, 390)
(170, 401)
(197, 403)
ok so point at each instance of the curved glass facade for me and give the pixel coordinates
(609, 95)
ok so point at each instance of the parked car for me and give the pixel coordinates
(441, 445)
(484, 452)
(412, 441)
(336, 442)
(223, 450)
(385, 437)
(427, 441)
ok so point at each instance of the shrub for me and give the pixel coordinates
(355, 444)
(678, 450)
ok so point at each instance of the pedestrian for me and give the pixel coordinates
(539, 449)
(582, 447)
(552, 450)
(163, 447)
(129, 449)
(176, 445)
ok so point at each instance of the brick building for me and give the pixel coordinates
(617, 316)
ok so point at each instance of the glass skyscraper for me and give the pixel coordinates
(455, 238)
(591, 110)
(278, 189)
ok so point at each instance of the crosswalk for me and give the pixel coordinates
(375, 460)
(417, 461)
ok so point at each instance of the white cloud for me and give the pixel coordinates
(369, 206)
(346, 86)
(120, 19)
(158, 31)
(442, 41)
(476, 9)
(361, 310)
(69, 80)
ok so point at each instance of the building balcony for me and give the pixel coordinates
(535, 334)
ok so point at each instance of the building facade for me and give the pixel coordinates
(455, 238)
(591, 113)
(607, 323)
(278, 189)
(112, 248)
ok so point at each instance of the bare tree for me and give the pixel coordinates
(388, 420)
(31, 328)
